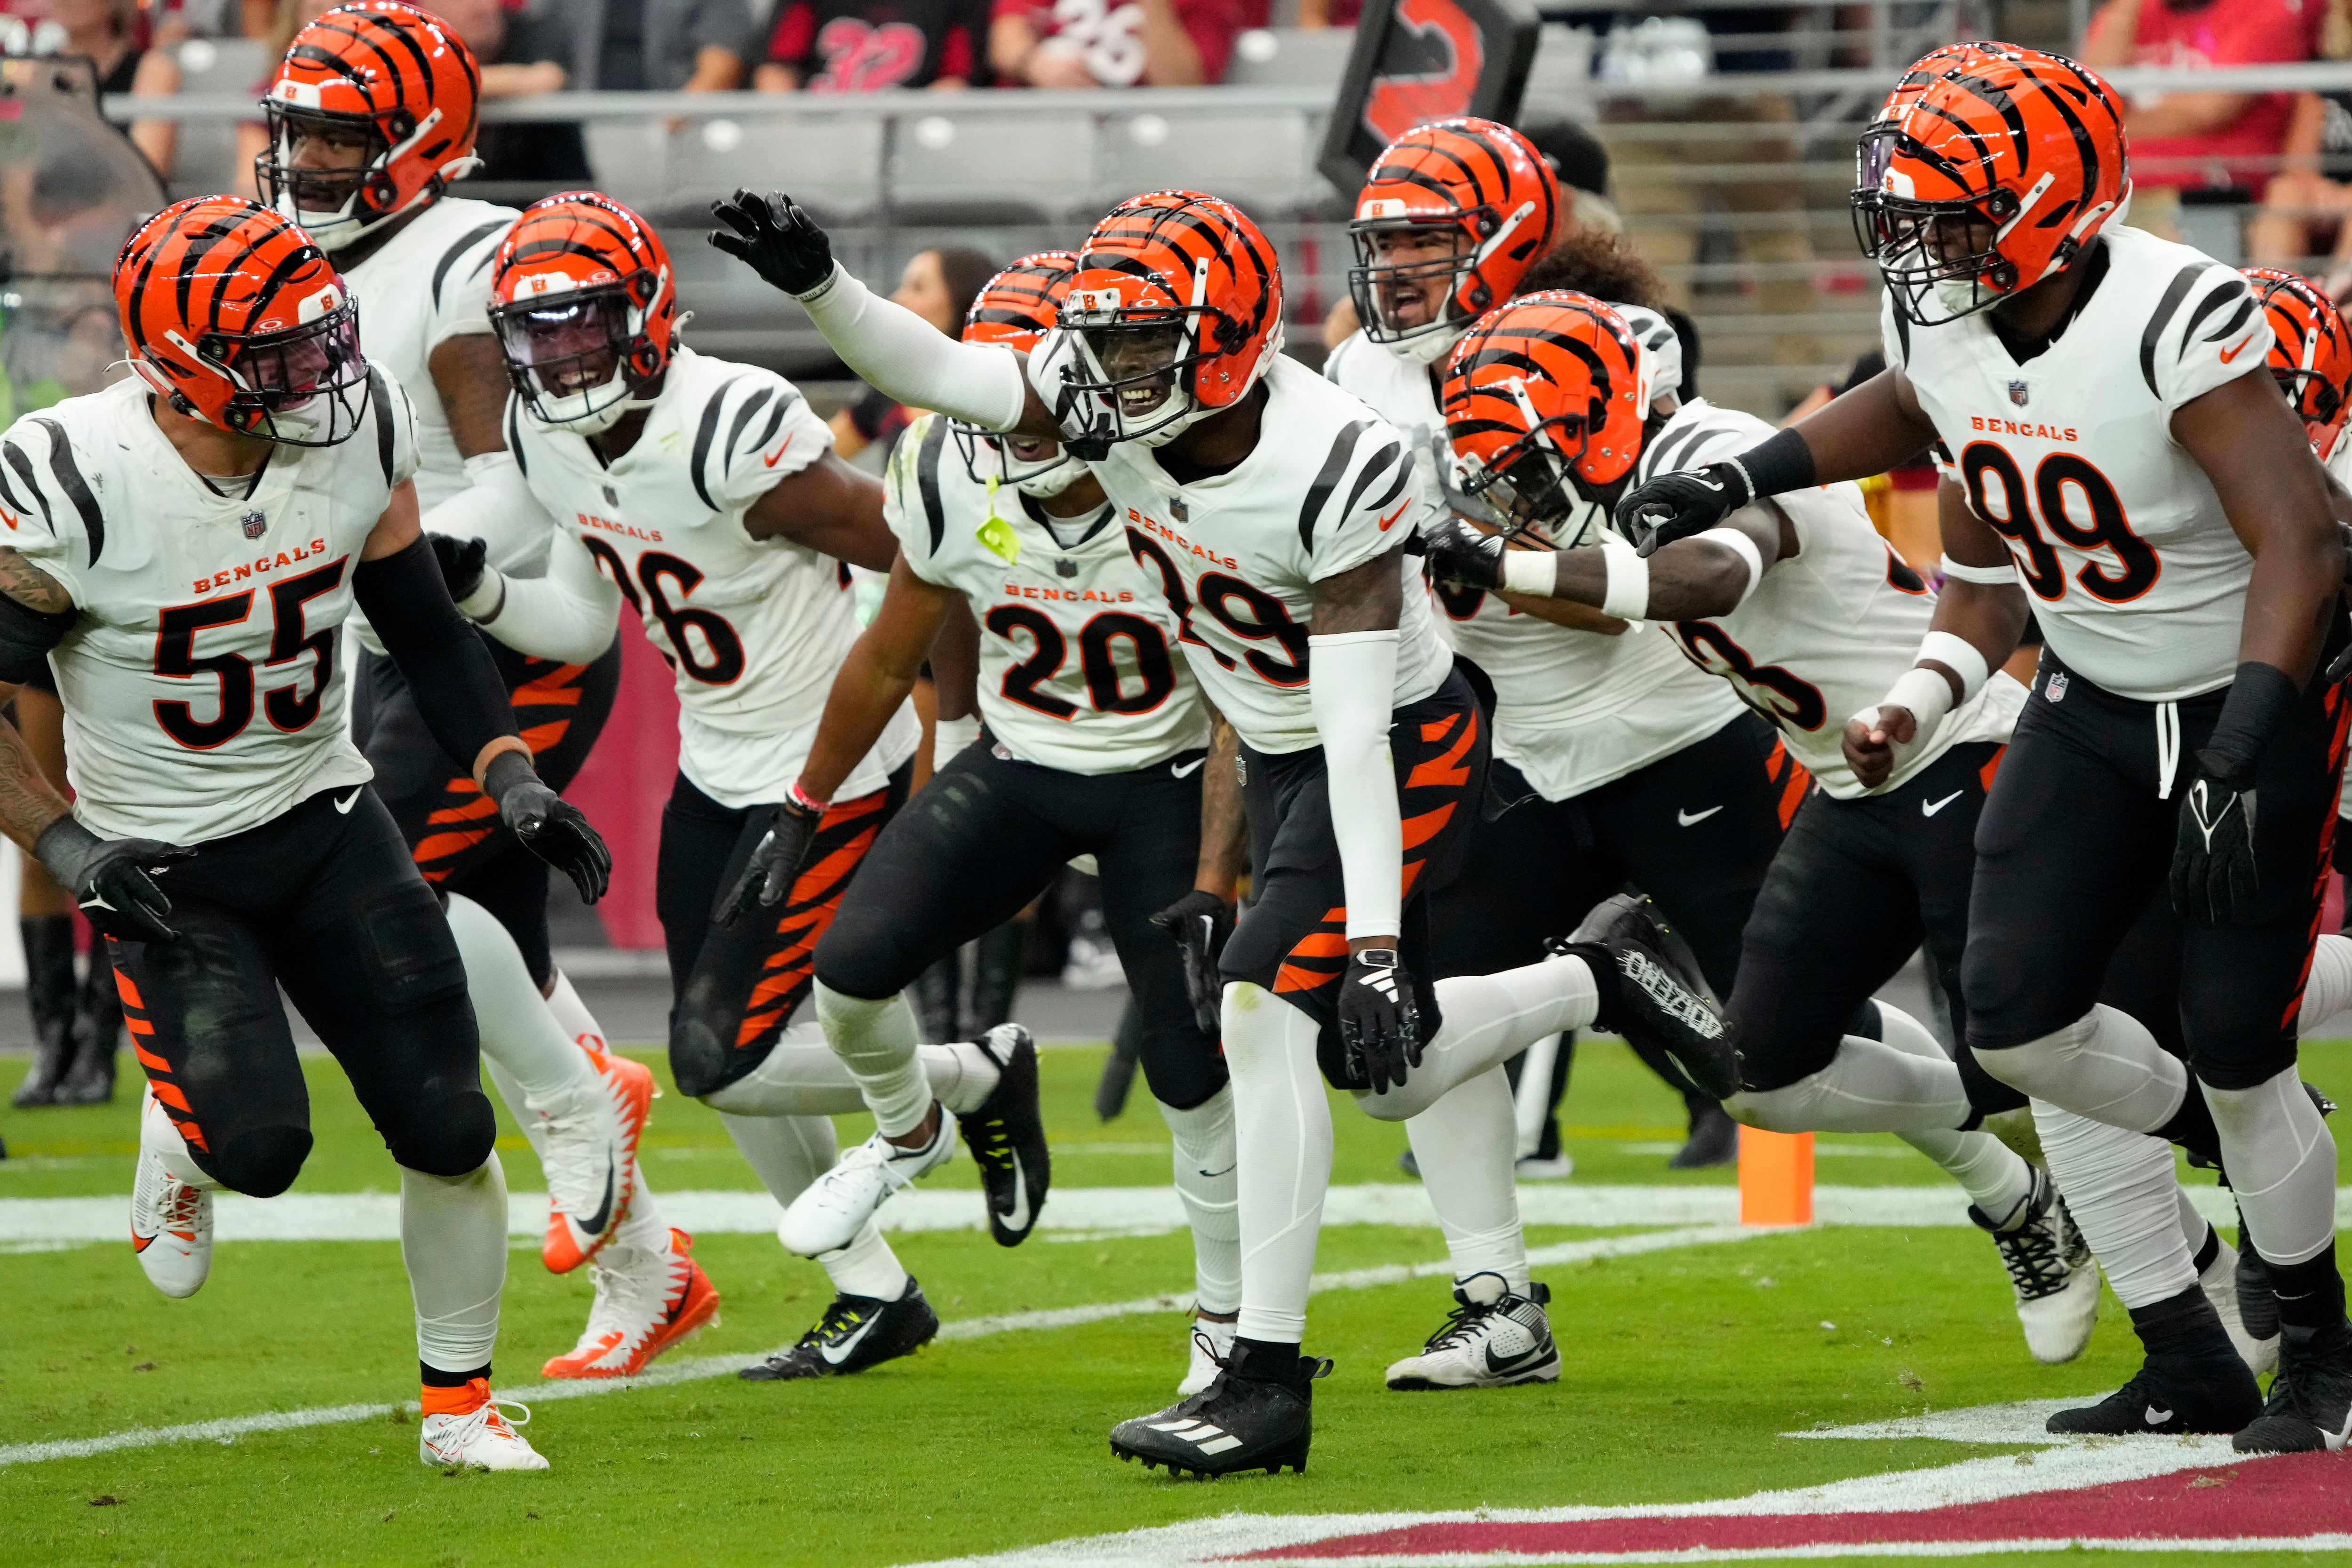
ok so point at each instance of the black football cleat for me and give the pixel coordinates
(855, 1333)
(1714, 1139)
(2310, 1406)
(1007, 1137)
(1659, 998)
(1237, 1423)
(2191, 1381)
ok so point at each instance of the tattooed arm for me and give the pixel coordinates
(28, 807)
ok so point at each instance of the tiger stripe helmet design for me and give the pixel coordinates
(236, 318)
(1017, 307)
(585, 307)
(1993, 176)
(1176, 312)
(1480, 188)
(1544, 405)
(2311, 353)
(383, 74)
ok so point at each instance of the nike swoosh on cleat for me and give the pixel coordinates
(345, 805)
(1186, 770)
(1685, 818)
(2154, 1417)
(594, 1224)
(848, 1346)
(1505, 1364)
(1017, 1217)
(1930, 807)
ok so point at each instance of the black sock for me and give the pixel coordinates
(2182, 1324)
(2207, 1250)
(2310, 1293)
(2191, 1127)
(1605, 983)
(434, 1377)
(1267, 1361)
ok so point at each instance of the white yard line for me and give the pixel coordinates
(229, 1428)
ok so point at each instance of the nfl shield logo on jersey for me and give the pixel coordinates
(2017, 393)
(2055, 690)
(1178, 510)
(255, 525)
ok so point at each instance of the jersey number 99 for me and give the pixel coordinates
(2135, 566)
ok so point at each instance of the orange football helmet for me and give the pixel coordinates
(379, 73)
(1993, 176)
(2311, 353)
(1544, 405)
(1480, 187)
(585, 308)
(235, 318)
(1175, 314)
(1017, 307)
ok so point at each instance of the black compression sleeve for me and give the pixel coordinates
(2262, 700)
(27, 635)
(458, 692)
(1777, 465)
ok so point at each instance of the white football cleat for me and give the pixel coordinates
(2050, 1269)
(646, 1303)
(1492, 1339)
(590, 1136)
(1211, 1343)
(473, 1433)
(834, 1208)
(170, 1220)
(2220, 1280)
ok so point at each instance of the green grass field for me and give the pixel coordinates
(1684, 1368)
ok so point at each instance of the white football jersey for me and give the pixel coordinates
(202, 682)
(1826, 631)
(1078, 663)
(754, 629)
(2138, 581)
(1237, 554)
(1574, 710)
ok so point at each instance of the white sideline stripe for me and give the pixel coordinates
(1821, 1552)
(375, 1217)
(228, 1429)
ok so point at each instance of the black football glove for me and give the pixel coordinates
(112, 880)
(775, 238)
(1675, 506)
(1380, 1023)
(463, 561)
(1199, 921)
(775, 864)
(550, 826)
(2214, 879)
(1464, 555)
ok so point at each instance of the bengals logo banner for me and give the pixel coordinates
(1419, 61)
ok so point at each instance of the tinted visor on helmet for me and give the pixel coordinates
(354, 142)
(1399, 301)
(566, 352)
(302, 387)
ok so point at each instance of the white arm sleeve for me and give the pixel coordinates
(496, 507)
(568, 615)
(904, 357)
(1350, 688)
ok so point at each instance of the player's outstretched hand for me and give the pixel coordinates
(1870, 739)
(1199, 921)
(2214, 879)
(462, 563)
(113, 879)
(774, 238)
(1379, 1023)
(1675, 506)
(1461, 554)
(550, 826)
(774, 866)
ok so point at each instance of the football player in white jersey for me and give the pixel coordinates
(1263, 503)
(188, 545)
(373, 115)
(1096, 745)
(705, 495)
(2176, 539)
(1615, 760)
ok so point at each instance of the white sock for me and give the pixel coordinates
(788, 1152)
(2194, 1226)
(1908, 1034)
(520, 1032)
(2282, 1164)
(2120, 1186)
(2329, 990)
(453, 1237)
(572, 1014)
(1489, 1019)
(877, 1041)
(1466, 1144)
(1869, 1086)
(643, 1225)
(1996, 1178)
(802, 1077)
(2105, 1065)
(1206, 1180)
(1282, 1136)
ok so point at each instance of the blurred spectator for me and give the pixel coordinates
(550, 153)
(1095, 43)
(1582, 163)
(1318, 14)
(638, 46)
(110, 34)
(2215, 143)
(2303, 210)
(940, 286)
(862, 45)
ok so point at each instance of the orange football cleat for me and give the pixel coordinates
(590, 1158)
(646, 1303)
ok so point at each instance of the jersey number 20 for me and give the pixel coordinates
(288, 707)
(1104, 687)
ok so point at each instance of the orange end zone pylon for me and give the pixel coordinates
(1776, 1177)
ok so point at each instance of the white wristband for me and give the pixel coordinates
(1740, 544)
(1535, 572)
(1628, 595)
(949, 736)
(1989, 576)
(1925, 692)
(489, 598)
(1961, 656)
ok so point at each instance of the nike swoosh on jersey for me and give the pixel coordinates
(1186, 770)
(836, 1354)
(775, 456)
(2236, 348)
(1389, 520)
(1686, 818)
(345, 805)
(1017, 1217)
(1930, 807)
(8, 516)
